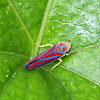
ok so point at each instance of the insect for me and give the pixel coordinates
(55, 52)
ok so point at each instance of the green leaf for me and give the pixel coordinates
(24, 23)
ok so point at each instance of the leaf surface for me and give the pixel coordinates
(24, 23)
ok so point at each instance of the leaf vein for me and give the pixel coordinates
(15, 54)
(22, 23)
(42, 29)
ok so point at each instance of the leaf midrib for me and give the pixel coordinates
(43, 25)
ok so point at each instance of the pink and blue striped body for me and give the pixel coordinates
(49, 55)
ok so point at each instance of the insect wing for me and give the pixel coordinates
(45, 57)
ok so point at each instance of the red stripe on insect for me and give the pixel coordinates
(51, 55)
(40, 63)
(48, 51)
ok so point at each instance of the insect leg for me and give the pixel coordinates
(66, 54)
(56, 64)
(45, 45)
